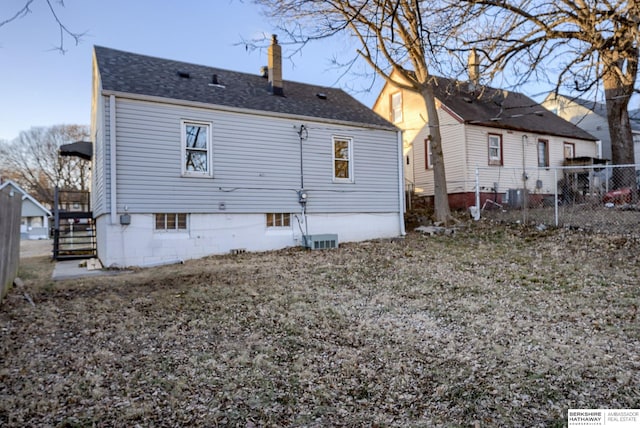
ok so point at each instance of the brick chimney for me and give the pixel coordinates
(275, 67)
(474, 67)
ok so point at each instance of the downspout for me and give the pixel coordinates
(112, 155)
(400, 184)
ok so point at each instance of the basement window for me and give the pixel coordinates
(170, 221)
(278, 220)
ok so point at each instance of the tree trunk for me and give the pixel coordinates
(440, 194)
(622, 153)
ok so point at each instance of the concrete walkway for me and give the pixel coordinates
(66, 269)
(71, 269)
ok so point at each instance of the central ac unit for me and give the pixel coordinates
(321, 242)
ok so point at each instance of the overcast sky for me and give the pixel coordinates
(41, 87)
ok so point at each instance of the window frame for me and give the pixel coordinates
(349, 140)
(184, 123)
(494, 161)
(566, 145)
(428, 155)
(176, 221)
(545, 161)
(396, 111)
(272, 220)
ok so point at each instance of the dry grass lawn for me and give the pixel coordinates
(491, 326)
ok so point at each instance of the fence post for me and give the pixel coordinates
(476, 215)
(10, 213)
(555, 177)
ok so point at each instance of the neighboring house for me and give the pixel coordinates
(35, 217)
(191, 160)
(485, 127)
(592, 117)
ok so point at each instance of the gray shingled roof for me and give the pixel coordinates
(498, 108)
(150, 76)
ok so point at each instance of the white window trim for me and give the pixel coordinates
(571, 146)
(397, 111)
(544, 160)
(333, 159)
(176, 230)
(498, 158)
(183, 148)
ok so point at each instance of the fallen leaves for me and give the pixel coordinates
(490, 326)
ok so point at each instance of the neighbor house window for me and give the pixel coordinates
(342, 159)
(396, 107)
(428, 157)
(569, 150)
(543, 153)
(495, 149)
(196, 148)
(278, 219)
(171, 221)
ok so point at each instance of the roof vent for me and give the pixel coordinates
(264, 71)
(321, 95)
(184, 74)
(215, 82)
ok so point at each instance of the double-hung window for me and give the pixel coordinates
(495, 149)
(196, 148)
(396, 107)
(428, 157)
(543, 154)
(569, 150)
(343, 159)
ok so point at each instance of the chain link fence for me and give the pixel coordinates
(588, 196)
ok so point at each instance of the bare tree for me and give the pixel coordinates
(398, 39)
(33, 161)
(64, 31)
(589, 44)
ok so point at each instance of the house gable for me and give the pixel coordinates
(30, 207)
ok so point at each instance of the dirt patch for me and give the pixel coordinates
(35, 248)
(497, 326)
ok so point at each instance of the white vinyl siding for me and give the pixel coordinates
(256, 160)
(455, 158)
